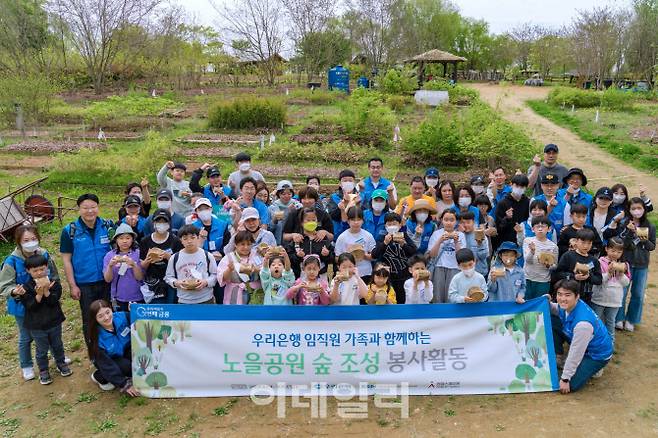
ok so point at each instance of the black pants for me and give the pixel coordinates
(88, 294)
(124, 306)
(398, 286)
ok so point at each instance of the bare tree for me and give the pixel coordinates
(257, 30)
(642, 48)
(549, 50)
(95, 27)
(523, 37)
(373, 28)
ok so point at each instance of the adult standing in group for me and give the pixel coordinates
(292, 228)
(417, 191)
(214, 190)
(590, 345)
(164, 202)
(12, 278)
(243, 162)
(247, 199)
(539, 168)
(376, 182)
(83, 245)
(341, 200)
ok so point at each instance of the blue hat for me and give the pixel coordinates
(508, 246)
(432, 171)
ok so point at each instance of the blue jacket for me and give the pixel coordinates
(177, 221)
(375, 225)
(14, 306)
(263, 212)
(88, 251)
(580, 198)
(216, 235)
(212, 197)
(509, 287)
(600, 347)
(421, 242)
(368, 188)
(140, 228)
(500, 195)
(556, 216)
(115, 343)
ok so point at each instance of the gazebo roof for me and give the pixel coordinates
(436, 55)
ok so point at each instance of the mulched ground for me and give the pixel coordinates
(649, 134)
(221, 138)
(51, 147)
(316, 138)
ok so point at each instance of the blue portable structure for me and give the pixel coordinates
(339, 79)
(363, 82)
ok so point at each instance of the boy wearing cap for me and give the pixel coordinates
(155, 249)
(341, 200)
(373, 217)
(214, 191)
(417, 191)
(376, 182)
(281, 208)
(550, 183)
(214, 233)
(164, 202)
(83, 245)
(507, 279)
(243, 162)
(539, 169)
(573, 193)
(179, 187)
(132, 206)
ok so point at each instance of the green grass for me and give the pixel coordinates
(612, 134)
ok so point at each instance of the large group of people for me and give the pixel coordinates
(496, 238)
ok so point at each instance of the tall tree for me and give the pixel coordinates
(373, 31)
(549, 52)
(257, 29)
(642, 48)
(96, 26)
(321, 50)
(23, 35)
(523, 36)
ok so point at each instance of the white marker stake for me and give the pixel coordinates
(153, 93)
(573, 108)
(272, 139)
(262, 142)
(287, 92)
(396, 134)
(596, 119)
(101, 134)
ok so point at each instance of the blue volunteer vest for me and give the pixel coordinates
(212, 197)
(375, 225)
(581, 198)
(15, 307)
(600, 347)
(368, 188)
(339, 226)
(88, 252)
(115, 343)
(556, 216)
(216, 235)
(428, 228)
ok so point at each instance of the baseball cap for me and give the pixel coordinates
(604, 192)
(432, 171)
(164, 193)
(249, 213)
(551, 147)
(477, 180)
(131, 200)
(213, 171)
(202, 201)
(379, 193)
(550, 178)
(161, 213)
(283, 184)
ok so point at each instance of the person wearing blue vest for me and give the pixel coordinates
(214, 191)
(373, 218)
(163, 201)
(556, 205)
(132, 206)
(376, 182)
(83, 245)
(214, 232)
(12, 278)
(248, 198)
(573, 193)
(590, 344)
(498, 188)
(340, 200)
(109, 348)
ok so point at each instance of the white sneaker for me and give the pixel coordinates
(104, 386)
(629, 327)
(619, 325)
(28, 373)
(598, 374)
(67, 360)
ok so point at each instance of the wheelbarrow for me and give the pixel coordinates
(35, 208)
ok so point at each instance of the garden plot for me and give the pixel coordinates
(213, 152)
(47, 147)
(221, 139)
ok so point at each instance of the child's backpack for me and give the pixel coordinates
(177, 255)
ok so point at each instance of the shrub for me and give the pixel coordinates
(132, 104)
(573, 96)
(365, 119)
(458, 94)
(245, 113)
(475, 135)
(33, 92)
(337, 151)
(398, 103)
(317, 97)
(399, 82)
(615, 99)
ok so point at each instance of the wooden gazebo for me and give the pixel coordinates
(436, 56)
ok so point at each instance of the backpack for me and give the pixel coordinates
(108, 224)
(176, 256)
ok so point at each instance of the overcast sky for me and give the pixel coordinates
(501, 15)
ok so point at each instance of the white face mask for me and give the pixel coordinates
(478, 189)
(465, 201)
(518, 191)
(244, 167)
(637, 213)
(165, 205)
(618, 199)
(469, 272)
(30, 246)
(378, 206)
(204, 215)
(421, 217)
(432, 182)
(392, 229)
(347, 186)
(161, 228)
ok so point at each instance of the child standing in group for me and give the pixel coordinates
(283, 205)
(237, 272)
(276, 278)
(607, 298)
(310, 243)
(192, 270)
(394, 251)
(420, 226)
(357, 241)
(443, 245)
(465, 282)
(312, 290)
(179, 187)
(348, 287)
(123, 270)
(578, 215)
(580, 265)
(541, 255)
(380, 290)
(44, 316)
(506, 279)
(476, 242)
(418, 288)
